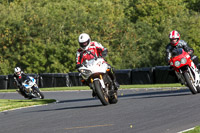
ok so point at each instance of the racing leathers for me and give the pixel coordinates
(18, 80)
(182, 44)
(94, 49)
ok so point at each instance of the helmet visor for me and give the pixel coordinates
(84, 44)
(174, 40)
(17, 73)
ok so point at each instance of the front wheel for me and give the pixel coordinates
(113, 98)
(101, 93)
(198, 89)
(39, 93)
(191, 86)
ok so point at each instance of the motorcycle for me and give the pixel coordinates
(95, 73)
(31, 89)
(185, 69)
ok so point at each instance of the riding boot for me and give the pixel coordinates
(198, 66)
(116, 84)
(21, 89)
(111, 73)
(195, 59)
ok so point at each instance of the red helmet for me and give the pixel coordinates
(174, 37)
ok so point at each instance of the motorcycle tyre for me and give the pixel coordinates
(102, 97)
(198, 89)
(21, 92)
(30, 97)
(40, 93)
(189, 83)
(113, 99)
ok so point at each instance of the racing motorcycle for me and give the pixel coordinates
(31, 89)
(95, 73)
(185, 69)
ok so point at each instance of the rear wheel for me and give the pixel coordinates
(190, 84)
(101, 93)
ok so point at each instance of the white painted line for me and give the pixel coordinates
(32, 106)
(186, 130)
(23, 107)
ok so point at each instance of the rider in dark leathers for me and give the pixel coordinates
(19, 78)
(176, 43)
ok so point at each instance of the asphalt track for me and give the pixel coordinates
(137, 111)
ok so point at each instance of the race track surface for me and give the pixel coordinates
(137, 111)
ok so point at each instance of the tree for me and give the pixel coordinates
(157, 19)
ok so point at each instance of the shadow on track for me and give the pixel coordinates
(73, 107)
(143, 95)
(77, 100)
(70, 108)
(156, 94)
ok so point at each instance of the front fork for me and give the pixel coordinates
(195, 79)
(100, 79)
(180, 77)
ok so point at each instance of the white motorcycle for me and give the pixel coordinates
(31, 89)
(95, 73)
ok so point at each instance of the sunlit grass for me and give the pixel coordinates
(7, 104)
(87, 88)
(195, 130)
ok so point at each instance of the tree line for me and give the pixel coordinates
(42, 36)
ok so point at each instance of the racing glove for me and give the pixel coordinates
(78, 65)
(190, 52)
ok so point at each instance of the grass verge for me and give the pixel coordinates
(195, 130)
(8, 104)
(87, 88)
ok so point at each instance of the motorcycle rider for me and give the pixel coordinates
(20, 77)
(175, 43)
(88, 49)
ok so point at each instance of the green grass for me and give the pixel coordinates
(195, 130)
(151, 86)
(87, 88)
(8, 104)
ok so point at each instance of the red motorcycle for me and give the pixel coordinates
(185, 69)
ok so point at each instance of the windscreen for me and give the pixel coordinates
(177, 52)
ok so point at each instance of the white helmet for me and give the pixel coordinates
(17, 71)
(84, 40)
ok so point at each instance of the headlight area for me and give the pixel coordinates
(183, 61)
(178, 63)
(85, 72)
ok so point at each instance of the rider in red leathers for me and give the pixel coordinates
(89, 50)
(175, 43)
